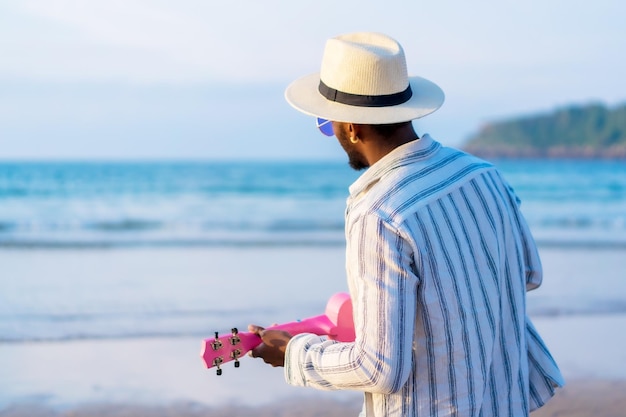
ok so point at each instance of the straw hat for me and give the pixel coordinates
(363, 79)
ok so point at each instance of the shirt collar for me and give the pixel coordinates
(412, 151)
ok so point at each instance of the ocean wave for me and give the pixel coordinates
(599, 307)
(180, 204)
(298, 241)
(295, 241)
(7, 226)
(565, 243)
(125, 225)
(146, 232)
(90, 329)
(85, 336)
(112, 325)
(583, 222)
(15, 192)
(129, 235)
(86, 222)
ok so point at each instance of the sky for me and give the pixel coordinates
(192, 79)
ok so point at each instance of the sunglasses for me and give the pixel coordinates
(325, 126)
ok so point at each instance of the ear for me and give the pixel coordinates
(351, 133)
(356, 130)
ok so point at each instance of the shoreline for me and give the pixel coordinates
(555, 153)
(165, 377)
(152, 376)
(579, 398)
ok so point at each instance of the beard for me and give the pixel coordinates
(356, 160)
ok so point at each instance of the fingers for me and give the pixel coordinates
(271, 354)
(258, 330)
(257, 352)
(272, 350)
(253, 328)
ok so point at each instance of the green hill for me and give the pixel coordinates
(592, 131)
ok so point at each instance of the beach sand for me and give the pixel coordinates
(592, 398)
(165, 376)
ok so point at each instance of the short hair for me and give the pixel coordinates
(388, 129)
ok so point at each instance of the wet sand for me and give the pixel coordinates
(593, 398)
(165, 377)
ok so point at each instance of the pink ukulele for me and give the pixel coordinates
(336, 323)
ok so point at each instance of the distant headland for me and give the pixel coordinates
(590, 131)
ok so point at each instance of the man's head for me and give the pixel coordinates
(364, 93)
(365, 144)
(364, 79)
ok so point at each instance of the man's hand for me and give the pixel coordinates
(272, 350)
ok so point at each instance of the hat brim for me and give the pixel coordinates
(304, 96)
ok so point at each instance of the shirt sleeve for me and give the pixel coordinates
(383, 282)
(532, 261)
(534, 269)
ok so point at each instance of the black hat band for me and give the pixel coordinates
(385, 100)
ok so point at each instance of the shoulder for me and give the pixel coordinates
(413, 185)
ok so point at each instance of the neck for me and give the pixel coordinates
(378, 145)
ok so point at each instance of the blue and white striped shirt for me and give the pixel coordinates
(438, 262)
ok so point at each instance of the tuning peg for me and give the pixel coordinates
(217, 362)
(216, 344)
(234, 339)
(236, 354)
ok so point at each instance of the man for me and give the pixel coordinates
(438, 256)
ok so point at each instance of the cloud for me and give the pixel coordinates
(191, 41)
(140, 77)
(149, 41)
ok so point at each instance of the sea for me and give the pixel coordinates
(83, 207)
